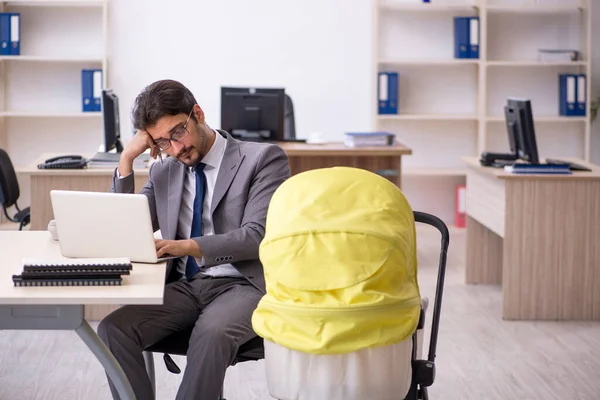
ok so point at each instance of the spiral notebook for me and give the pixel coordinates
(19, 281)
(73, 272)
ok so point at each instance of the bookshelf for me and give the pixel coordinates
(40, 89)
(452, 108)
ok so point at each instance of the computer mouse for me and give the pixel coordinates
(52, 229)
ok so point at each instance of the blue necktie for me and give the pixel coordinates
(192, 267)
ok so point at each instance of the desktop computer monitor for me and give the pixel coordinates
(110, 115)
(521, 130)
(254, 114)
(521, 138)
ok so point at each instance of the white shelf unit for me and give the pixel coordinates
(40, 89)
(451, 108)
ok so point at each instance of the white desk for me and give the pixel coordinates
(63, 307)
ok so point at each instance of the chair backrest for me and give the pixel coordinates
(9, 186)
(289, 124)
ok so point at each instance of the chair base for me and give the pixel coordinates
(149, 362)
(177, 344)
(23, 217)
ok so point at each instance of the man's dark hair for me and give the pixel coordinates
(165, 97)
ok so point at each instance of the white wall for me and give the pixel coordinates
(318, 50)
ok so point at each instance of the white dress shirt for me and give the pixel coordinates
(212, 159)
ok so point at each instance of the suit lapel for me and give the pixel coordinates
(175, 185)
(229, 168)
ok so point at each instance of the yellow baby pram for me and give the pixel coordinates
(343, 315)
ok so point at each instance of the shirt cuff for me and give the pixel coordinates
(119, 175)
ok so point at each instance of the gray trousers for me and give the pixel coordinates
(219, 309)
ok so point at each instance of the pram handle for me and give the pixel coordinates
(437, 223)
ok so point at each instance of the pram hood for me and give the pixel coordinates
(340, 263)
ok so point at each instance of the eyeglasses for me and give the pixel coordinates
(177, 135)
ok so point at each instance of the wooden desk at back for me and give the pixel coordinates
(302, 157)
(537, 236)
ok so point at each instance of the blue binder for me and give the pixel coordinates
(461, 37)
(474, 37)
(15, 34)
(87, 90)
(581, 93)
(387, 93)
(567, 95)
(4, 34)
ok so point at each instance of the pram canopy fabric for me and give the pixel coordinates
(340, 263)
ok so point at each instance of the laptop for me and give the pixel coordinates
(104, 225)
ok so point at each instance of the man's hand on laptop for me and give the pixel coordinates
(141, 142)
(177, 248)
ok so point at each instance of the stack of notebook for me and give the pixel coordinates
(367, 139)
(73, 272)
(111, 160)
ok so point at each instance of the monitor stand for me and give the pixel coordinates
(119, 146)
(109, 156)
(498, 160)
(251, 136)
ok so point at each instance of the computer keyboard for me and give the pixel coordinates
(572, 166)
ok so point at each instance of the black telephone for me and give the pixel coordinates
(64, 162)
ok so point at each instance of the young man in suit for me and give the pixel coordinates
(210, 200)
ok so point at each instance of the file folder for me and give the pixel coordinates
(87, 90)
(567, 92)
(387, 93)
(15, 34)
(581, 95)
(473, 37)
(97, 90)
(461, 37)
(460, 207)
(4, 34)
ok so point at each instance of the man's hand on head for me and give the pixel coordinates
(141, 142)
(177, 248)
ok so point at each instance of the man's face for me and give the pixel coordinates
(188, 142)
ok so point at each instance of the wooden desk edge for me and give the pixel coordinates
(339, 149)
(473, 163)
(292, 149)
(33, 170)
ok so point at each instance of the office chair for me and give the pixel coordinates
(289, 124)
(9, 191)
(178, 343)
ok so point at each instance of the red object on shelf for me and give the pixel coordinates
(460, 215)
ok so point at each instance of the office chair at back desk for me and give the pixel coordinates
(9, 192)
(289, 122)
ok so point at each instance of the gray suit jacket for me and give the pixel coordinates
(249, 175)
